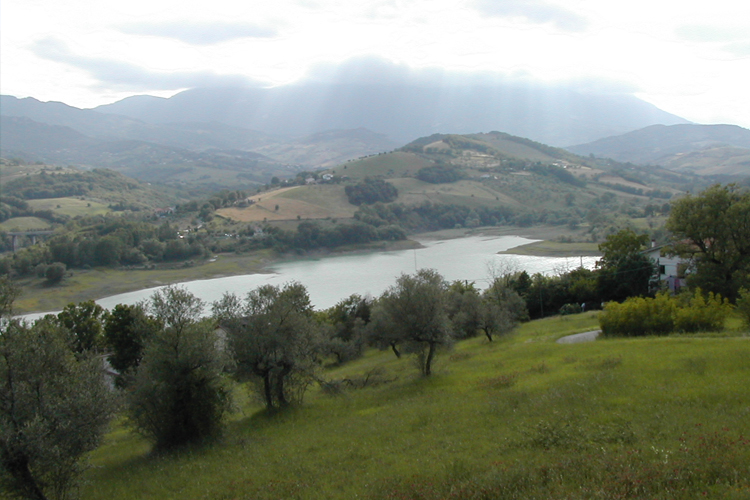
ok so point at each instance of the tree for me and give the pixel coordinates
(464, 307)
(179, 395)
(413, 313)
(84, 321)
(54, 408)
(502, 308)
(127, 329)
(713, 228)
(274, 338)
(348, 320)
(624, 270)
(55, 272)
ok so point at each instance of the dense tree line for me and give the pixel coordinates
(429, 216)
(440, 174)
(559, 173)
(110, 241)
(371, 191)
(60, 185)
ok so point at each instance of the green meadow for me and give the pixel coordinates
(72, 207)
(521, 417)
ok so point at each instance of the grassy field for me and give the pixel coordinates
(557, 249)
(71, 207)
(522, 417)
(307, 202)
(25, 224)
(397, 164)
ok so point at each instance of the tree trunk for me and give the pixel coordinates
(19, 470)
(488, 333)
(395, 350)
(428, 361)
(267, 389)
(280, 396)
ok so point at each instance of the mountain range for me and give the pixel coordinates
(559, 116)
(690, 148)
(253, 133)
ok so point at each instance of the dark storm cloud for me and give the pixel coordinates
(126, 76)
(534, 11)
(200, 33)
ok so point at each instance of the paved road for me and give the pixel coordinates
(579, 337)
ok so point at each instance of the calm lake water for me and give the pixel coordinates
(330, 279)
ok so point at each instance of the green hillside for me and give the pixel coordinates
(519, 418)
(487, 178)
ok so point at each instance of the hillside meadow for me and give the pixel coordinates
(521, 417)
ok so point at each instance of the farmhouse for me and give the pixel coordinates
(670, 270)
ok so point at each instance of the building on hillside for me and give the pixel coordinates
(670, 270)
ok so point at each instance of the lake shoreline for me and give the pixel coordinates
(99, 283)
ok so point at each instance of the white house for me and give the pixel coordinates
(670, 270)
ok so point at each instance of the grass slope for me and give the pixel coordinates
(72, 207)
(25, 224)
(522, 417)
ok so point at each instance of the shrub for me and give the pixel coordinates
(570, 309)
(55, 272)
(701, 314)
(665, 314)
(639, 316)
(743, 306)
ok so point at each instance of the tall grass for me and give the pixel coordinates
(521, 417)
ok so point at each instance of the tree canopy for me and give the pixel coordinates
(273, 337)
(54, 407)
(713, 228)
(413, 313)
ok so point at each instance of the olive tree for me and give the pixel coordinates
(179, 395)
(54, 408)
(413, 313)
(273, 337)
(502, 308)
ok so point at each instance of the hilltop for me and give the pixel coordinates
(689, 148)
(531, 182)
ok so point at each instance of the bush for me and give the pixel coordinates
(664, 314)
(701, 314)
(570, 309)
(743, 306)
(55, 272)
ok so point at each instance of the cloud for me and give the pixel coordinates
(707, 33)
(534, 11)
(379, 71)
(200, 33)
(732, 39)
(126, 76)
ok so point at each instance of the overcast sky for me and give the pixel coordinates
(691, 58)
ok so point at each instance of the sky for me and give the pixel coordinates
(690, 58)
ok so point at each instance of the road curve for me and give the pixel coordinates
(579, 337)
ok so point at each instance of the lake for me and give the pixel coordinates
(332, 278)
